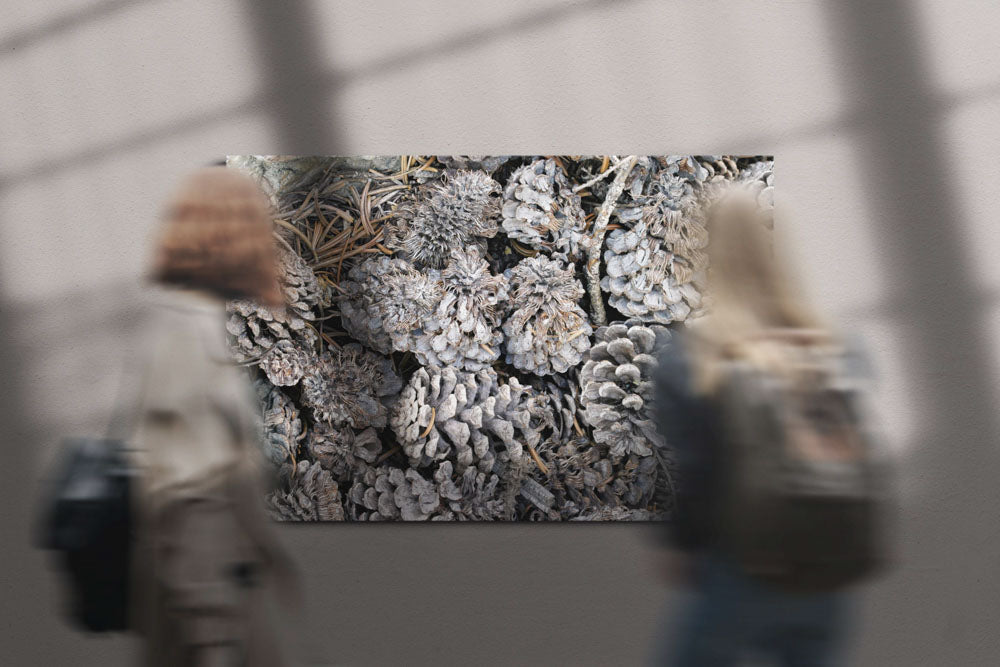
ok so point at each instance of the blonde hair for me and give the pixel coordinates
(217, 236)
(755, 308)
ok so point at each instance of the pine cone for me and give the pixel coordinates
(347, 385)
(655, 270)
(679, 182)
(617, 382)
(452, 213)
(440, 414)
(387, 493)
(578, 474)
(390, 494)
(636, 193)
(472, 497)
(340, 449)
(303, 292)
(446, 413)
(720, 167)
(254, 329)
(563, 395)
(313, 496)
(464, 329)
(617, 513)
(541, 211)
(759, 176)
(548, 332)
(285, 363)
(384, 300)
(488, 163)
(282, 427)
(636, 481)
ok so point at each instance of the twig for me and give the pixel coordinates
(597, 238)
(601, 176)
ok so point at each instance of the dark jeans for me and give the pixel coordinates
(732, 617)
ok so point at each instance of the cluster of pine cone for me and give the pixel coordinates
(454, 372)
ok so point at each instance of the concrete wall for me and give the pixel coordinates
(883, 119)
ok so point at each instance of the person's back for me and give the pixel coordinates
(204, 555)
(715, 410)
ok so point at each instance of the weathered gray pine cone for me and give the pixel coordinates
(679, 182)
(348, 385)
(541, 211)
(254, 329)
(439, 414)
(282, 428)
(386, 493)
(578, 473)
(720, 167)
(488, 163)
(617, 513)
(636, 480)
(464, 329)
(457, 211)
(385, 299)
(617, 382)
(645, 279)
(313, 496)
(285, 363)
(303, 291)
(446, 413)
(655, 270)
(339, 449)
(478, 498)
(548, 332)
(759, 176)
(564, 398)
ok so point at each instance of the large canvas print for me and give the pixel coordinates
(475, 338)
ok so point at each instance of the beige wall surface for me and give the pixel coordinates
(883, 117)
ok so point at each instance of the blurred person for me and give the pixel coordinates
(777, 477)
(205, 559)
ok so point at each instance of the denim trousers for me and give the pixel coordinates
(733, 619)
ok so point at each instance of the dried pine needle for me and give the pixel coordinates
(427, 431)
(387, 454)
(538, 460)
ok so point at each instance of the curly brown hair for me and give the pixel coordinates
(218, 236)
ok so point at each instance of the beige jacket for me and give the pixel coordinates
(205, 556)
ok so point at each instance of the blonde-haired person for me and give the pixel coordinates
(205, 557)
(754, 303)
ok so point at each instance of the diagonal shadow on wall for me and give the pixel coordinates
(939, 310)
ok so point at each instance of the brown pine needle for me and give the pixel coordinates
(538, 460)
(389, 453)
(575, 334)
(289, 226)
(305, 202)
(427, 431)
(521, 250)
(576, 425)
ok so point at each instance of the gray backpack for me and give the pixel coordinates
(802, 479)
